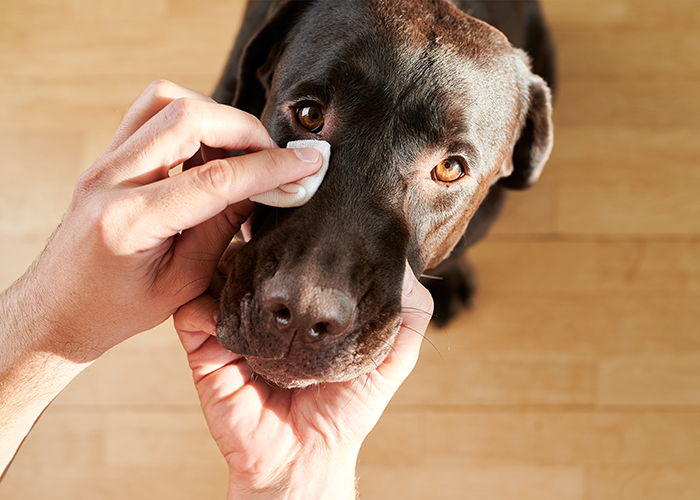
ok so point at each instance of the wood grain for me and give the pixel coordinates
(575, 377)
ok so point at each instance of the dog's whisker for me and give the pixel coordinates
(376, 367)
(427, 276)
(356, 380)
(425, 337)
(363, 386)
(368, 386)
(368, 381)
(441, 326)
(415, 310)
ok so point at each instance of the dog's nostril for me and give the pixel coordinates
(283, 316)
(291, 305)
(316, 332)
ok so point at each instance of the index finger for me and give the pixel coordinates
(157, 96)
(177, 132)
(195, 196)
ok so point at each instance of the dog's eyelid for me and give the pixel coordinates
(464, 150)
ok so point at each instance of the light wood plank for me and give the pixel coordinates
(645, 482)
(650, 380)
(639, 207)
(500, 380)
(609, 154)
(562, 438)
(583, 267)
(472, 483)
(619, 14)
(576, 375)
(148, 371)
(39, 172)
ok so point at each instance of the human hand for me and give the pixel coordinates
(135, 243)
(300, 443)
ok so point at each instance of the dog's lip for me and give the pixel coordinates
(280, 375)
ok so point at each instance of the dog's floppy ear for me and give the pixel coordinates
(248, 75)
(534, 145)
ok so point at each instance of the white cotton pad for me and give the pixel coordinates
(300, 192)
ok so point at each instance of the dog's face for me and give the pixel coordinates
(423, 107)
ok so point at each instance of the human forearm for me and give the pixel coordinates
(32, 372)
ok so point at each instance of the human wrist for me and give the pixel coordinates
(317, 478)
(37, 311)
(35, 341)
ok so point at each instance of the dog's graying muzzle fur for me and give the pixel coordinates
(431, 115)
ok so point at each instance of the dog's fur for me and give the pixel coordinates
(315, 296)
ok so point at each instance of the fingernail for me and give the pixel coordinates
(408, 280)
(309, 155)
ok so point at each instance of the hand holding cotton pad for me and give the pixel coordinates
(300, 192)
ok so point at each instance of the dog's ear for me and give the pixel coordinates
(534, 145)
(248, 75)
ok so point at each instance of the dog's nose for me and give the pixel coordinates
(309, 311)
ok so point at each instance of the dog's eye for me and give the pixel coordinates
(310, 116)
(449, 170)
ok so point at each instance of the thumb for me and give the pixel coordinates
(232, 180)
(192, 197)
(417, 309)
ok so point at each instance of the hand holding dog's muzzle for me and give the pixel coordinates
(279, 429)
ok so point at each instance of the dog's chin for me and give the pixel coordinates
(282, 374)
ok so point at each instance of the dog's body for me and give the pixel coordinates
(431, 115)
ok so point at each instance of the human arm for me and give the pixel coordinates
(300, 443)
(135, 243)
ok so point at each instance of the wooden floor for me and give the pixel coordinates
(575, 377)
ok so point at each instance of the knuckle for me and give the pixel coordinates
(115, 218)
(272, 162)
(254, 126)
(215, 176)
(182, 110)
(87, 182)
(160, 88)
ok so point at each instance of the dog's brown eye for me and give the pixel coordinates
(448, 170)
(310, 116)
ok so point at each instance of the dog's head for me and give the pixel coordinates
(425, 109)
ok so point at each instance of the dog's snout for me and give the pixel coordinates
(309, 312)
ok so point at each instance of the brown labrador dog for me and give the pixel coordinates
(432, 113)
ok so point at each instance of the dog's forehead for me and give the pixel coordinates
(428, 71)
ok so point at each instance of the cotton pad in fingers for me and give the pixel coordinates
(298, 193)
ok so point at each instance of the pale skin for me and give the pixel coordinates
(137, 246)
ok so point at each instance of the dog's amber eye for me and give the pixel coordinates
(449, 170)
(310, 116)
